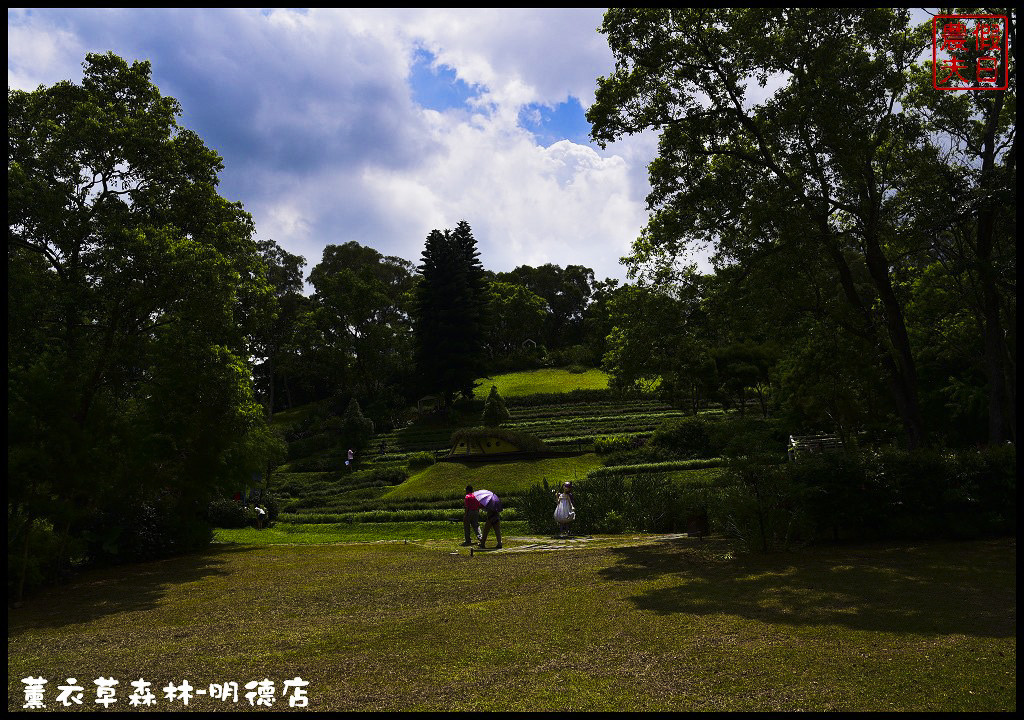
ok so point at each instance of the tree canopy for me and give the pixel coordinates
(835, 170)
(135, 296)
(450, 313)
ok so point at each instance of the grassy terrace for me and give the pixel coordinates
(548, 380)
(642, 626)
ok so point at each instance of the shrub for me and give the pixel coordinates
(495, 413)
(762, 506)
(580, 395)
(420, 460)
(659, 467)
(618, 443)
(356, 430)
(524, 441)
(149, 528)
(685, 437)
(537, 507)
(389, 476)
(227, 513)
(612, 522)
(892, 494)
(735, 437)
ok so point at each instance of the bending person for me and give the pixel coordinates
(492, 504)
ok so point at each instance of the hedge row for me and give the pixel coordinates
(659, 467)
(872, 496)
(382, 516)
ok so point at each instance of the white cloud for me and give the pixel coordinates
(323, 142)
(39, 53)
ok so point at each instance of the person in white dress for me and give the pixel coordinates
(565, 511)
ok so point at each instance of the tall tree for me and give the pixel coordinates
(135, 295)
(566, 291)
(824, 163)
(515, 314)
(975, 238)
(450, 308)
(360, 318)
(277, 341)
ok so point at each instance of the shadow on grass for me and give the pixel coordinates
(109, 591)
(929, 588)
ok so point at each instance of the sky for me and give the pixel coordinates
(381, 125)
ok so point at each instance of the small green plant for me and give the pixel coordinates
(612, 523)
(495, 413)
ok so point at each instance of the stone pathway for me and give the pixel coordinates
(520, 544)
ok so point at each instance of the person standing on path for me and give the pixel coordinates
(565, 511)
(471, 516)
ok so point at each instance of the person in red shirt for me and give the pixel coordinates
(471, 516)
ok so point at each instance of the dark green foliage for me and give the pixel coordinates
(450, 314)
(354, 339)
(618, 443)
(156, 527)
(613, 503)
(495, 413)
(658, 467)
(581, 395)
(686, 437)
(565, 292)
(137, 295)
(524, 441)
(421, 460)
(228, 513)
(356, 430)
(885, 495)
(734, 437)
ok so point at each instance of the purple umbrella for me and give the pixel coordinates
(488, 500)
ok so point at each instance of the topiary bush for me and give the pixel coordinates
(495, 413)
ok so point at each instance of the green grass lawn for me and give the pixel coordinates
(314, 534)
(548, 380)
(667, 626)
(451, 478)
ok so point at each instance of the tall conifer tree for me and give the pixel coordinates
(450, 302)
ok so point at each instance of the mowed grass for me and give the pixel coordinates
(318, 534)
(547, 380)
(668, 626)
(510, 477)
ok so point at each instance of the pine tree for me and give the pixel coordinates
(449, 323)
(495, 413)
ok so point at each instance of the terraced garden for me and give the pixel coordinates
(398, 479)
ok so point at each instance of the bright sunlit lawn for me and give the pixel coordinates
(547, 380)
(451, 478)
(673, 625)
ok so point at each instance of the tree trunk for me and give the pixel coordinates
(999, 409)
(900, 369)
(270, 402)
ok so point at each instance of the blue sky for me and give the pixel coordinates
(381, 125)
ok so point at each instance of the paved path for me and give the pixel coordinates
(519, 544)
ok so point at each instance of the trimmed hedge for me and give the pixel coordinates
(524, 441)
(872, 496)
(660, 467)
(385, 516)
(614, 503)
